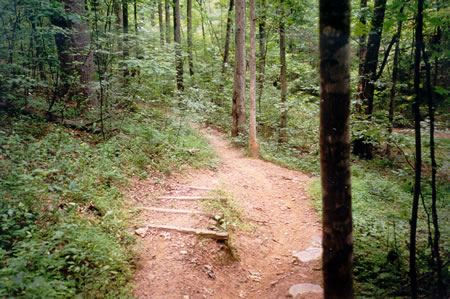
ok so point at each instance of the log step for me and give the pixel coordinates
(192, 212)
(201, 232)
(195, 187)
(190, 198)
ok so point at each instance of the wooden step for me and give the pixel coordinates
(192, 212)
(191, 198)
(195, 187)
(201, 232)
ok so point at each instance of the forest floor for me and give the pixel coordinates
(277, 222)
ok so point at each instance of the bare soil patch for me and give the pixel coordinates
(274, 202)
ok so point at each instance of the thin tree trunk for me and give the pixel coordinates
(254, 146)
(335, 148)
(135, 17)
(262, 51)
(238, 104)
(189, 37)
(227, 36)
(125, 50)
(418, 162)
(168, 32)
(283, 82)
(161, 23)
(362, 50)
(202, 19)
(177, 39)
(394, 83)
(437, 234)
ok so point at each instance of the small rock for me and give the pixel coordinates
(311, 253)
(302, 288)
(255, 276)
(183, 252)
(209, 270)
(141, 231)
(185, 297)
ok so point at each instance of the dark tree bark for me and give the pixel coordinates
(167, 10)
(189, 37)
(177, 39)
(161, 23)
(362, 48)
(335, 148)
(227, 36)
(394, 82)
(253, 141)
(135, 17)
(283, 82)
(437, 234)
(262, 50)
(74, 53)
(125, 50)
(367, 82)
(418, 142)
(117, 13)
(238, 105)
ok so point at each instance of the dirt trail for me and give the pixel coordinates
(273, 200)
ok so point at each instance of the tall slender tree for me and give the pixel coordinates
(167, 11)
(228, 36)
(254, 146)
(238, 104)
(262, 50)
(335, 148)
(189, 36)
(161, 23)
(418, 146)
(394, 81)
(367, 81)
(125, 49)
(283, 81)
(177, 39)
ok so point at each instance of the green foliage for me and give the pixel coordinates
(381, 206)
(64, 228)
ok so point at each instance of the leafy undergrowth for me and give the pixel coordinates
(381, 212)
(64, 224)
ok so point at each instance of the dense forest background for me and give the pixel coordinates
(95, 92)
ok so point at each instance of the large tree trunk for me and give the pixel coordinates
(262, 50)
(335, 148)
(177, 39)
(74, 53)
(367, 82)
(418, 141)
(189, 37)
(227, 36)
(254, 146)
(238, 105)
(167, 10)
(283, 82)
(161, 23)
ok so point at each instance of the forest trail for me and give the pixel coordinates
(275, 209)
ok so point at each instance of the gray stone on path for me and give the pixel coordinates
(311, 253)
(303, 288)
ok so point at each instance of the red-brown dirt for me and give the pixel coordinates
(273, 201)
